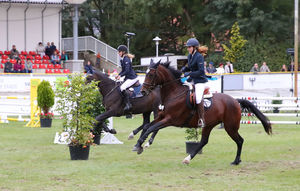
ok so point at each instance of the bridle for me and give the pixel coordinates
(150, 86)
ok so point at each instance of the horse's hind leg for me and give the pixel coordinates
(234, 134)
(146, 120)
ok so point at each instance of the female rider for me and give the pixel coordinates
(196, 75)
(128, 72)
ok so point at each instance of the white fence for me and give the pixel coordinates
(265, 104)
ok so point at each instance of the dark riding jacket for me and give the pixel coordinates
(196, 66)
(127, 70)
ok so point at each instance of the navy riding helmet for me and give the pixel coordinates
(122, 48)
(192, 42)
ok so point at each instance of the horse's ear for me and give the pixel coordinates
(151, 62)
(159, 61)
(166, 64)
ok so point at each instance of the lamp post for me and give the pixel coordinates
(129, 35)
(75, 4)
(156, 39)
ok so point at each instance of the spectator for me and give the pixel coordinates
(220, 69)
(18, 67)
(264, 68)
(98, 60)
(88, 68)
(55, 58)
(228, 68)
(283, 68)
(48, 50)
(255, 68)
(211, 69)
(64, 57)
(40, 49)
(14, 53)
(28, 66)
(53, 47)
(8, 67)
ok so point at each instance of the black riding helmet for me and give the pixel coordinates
(122, 48)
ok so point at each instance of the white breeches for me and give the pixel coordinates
(199, 89)
(128, 83)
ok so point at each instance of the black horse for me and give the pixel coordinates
(113, 103)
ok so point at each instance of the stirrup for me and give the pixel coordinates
(200, 123)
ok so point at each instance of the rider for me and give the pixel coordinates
(196, 75)
(128, 72)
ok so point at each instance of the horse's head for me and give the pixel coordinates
(151, 78)
(89, 78)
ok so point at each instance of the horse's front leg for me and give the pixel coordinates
(153, 128)
(147, 145)
(101, 121)
(146, 120)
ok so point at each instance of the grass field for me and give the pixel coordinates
(30, 161)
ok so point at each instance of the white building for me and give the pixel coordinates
(24, 23)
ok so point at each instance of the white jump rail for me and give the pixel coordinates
(22, 108)
(291, 106)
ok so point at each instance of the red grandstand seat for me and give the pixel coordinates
(57, 66)
(13, 61)
(33, 53)
(46, 62)
(34, 66)
(37, 62)
(7, 52)
(46, 57)
(22, 56)
(1, 53)
(50, 66)
(23, 66)
(4, 56)
(22, 61)
(42, 66)
(29, 57)
(49, 71)
(24, 53)
(57, 71)
(3, 61)
(66, 71)
(38, 57)
(1, 66)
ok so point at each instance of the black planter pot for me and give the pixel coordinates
(46, 122)
(97, 139)
(79, 153)
(191, 147)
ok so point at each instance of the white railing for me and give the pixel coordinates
(90, 43)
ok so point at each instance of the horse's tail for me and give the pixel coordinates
(245, 104)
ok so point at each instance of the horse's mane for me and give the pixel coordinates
(174, 72)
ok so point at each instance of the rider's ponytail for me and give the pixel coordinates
(203, 50)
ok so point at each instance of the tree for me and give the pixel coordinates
(237, 42)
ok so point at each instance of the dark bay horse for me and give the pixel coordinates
(113, 103)
(176, 113)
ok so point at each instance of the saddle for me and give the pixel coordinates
(134, 91)
(191, 96)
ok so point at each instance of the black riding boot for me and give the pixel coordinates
(200, 111)
(128, 105)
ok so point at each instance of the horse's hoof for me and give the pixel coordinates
(113, 131)
(236, 162)
(131, 136)
(140, 150)
(147, 145)
(134, 149)
(187, 160)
